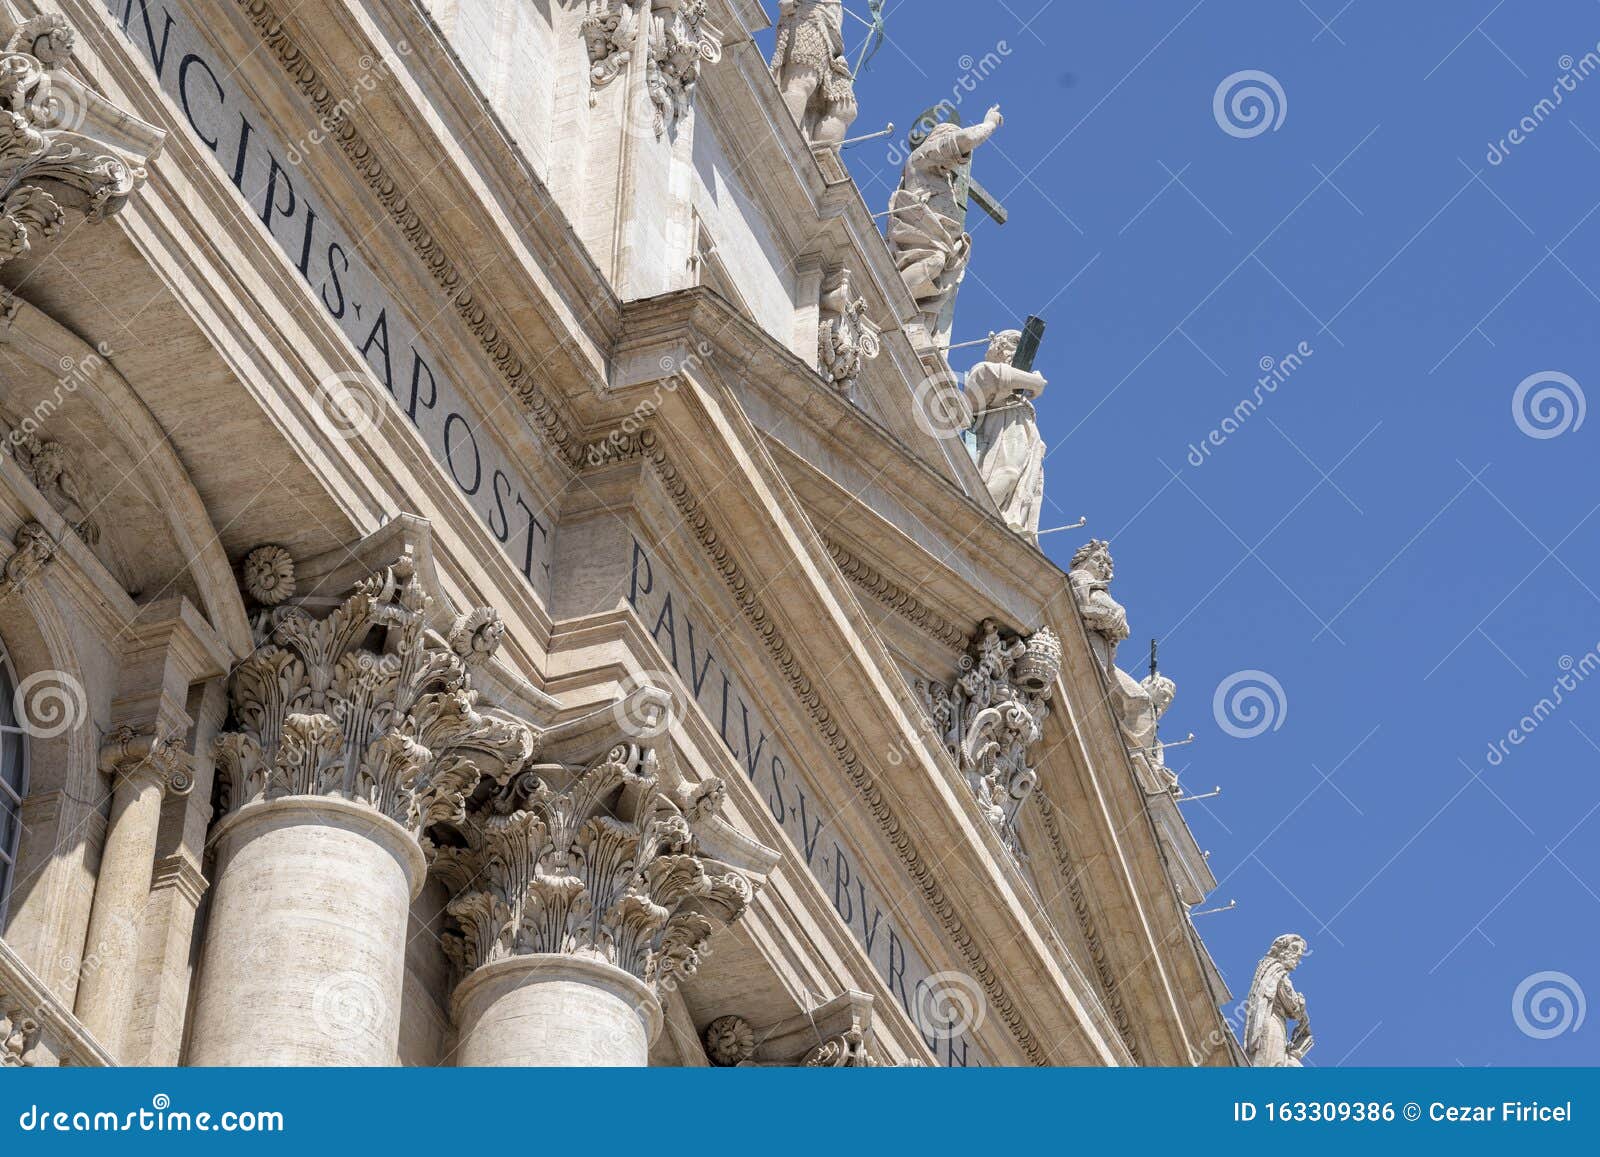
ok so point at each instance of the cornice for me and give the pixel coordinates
(181, 874)
(896, 597)
(1086, 922)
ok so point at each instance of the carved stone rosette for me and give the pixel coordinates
(993, 713)
(47, 165)
(366, 704)
(599, 863)
(836, 1034)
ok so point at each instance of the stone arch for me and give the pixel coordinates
(153, 500)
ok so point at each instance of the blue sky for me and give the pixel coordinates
(1381, 536)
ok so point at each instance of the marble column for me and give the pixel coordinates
(579, 895)
(143, 768)
(304, 957)
(355, 731)
(554, 1009)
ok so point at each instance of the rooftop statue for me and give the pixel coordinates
(1010, 451)
(928, 215)
(1146, 710)
(1090, 574)
(1139, 705)
(809, 64)
(1272, 1004)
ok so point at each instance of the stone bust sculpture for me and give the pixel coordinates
(1272, 1004)
(1010, 450)
(809, 64)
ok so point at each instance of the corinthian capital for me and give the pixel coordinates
(364, 702)
(599, 862)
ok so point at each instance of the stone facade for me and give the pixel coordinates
(483, 587)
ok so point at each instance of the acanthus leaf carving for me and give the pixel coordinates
(598, 861)
(675, 38)
(156, 754)
(681, 39)
(365, 702)
(608, 31)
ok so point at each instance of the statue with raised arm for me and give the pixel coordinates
(809, 64)
(927, 222)
(1010, 451)
(1272, 1004)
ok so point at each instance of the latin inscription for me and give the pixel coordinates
(273, 180)
(680, 629)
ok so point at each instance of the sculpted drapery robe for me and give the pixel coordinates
(1010, 450)
(1273, 1003)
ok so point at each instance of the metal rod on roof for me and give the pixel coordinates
(889, 131)
(1079, 525)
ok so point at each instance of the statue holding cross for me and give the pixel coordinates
(927, 217)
